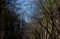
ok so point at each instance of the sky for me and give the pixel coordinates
(26, 8)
